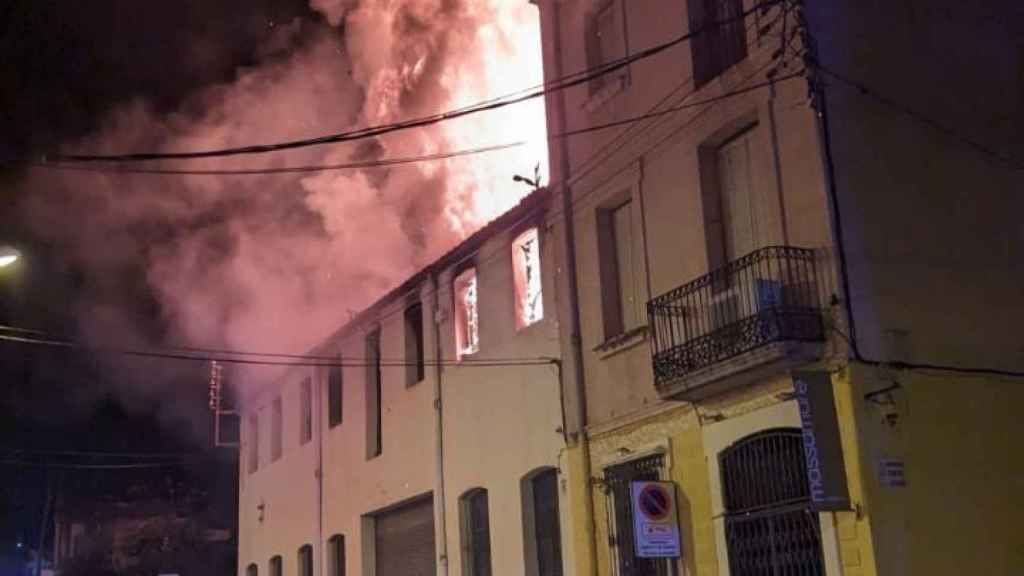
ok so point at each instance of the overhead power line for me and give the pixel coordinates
(861, 88)
(118, 169)
(66, 466)
(381, 163)
(298, 361)
(374, 131)
(22, 452)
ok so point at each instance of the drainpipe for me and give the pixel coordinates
(439, 494)
(574, 312)
(319, 476)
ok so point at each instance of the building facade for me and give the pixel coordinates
(777, 274)
(432, 443)
(782, 301)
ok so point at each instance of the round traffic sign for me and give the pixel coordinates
(654, 502)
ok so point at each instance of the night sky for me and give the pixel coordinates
(65, 65)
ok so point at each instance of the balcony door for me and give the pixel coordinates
(740, 229)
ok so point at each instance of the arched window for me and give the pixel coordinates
(542, 529)
(276, 566)
(252, 570)
(476, 533)
(336, 555)
(305, 561)
(770, 527)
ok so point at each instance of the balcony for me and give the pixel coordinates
(758, 314)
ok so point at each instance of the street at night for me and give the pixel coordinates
(511, 287)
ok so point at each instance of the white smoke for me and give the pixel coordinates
(276, 262)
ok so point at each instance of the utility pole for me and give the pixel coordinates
(47, 508)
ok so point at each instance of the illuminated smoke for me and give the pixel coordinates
(278, 262)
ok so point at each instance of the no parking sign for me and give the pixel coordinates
(655, 522)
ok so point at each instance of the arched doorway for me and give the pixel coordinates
(770, 528)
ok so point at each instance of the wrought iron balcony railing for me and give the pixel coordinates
(767, 296)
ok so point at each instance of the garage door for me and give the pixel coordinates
(405, 540)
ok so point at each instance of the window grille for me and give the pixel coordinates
(770, 528)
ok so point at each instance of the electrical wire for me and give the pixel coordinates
(379, 130)
(400, 161)
(98, 454)
(64, 466)
(224, 355)
(205, 354)
(340, 362)
(382, 163)
(907, 111)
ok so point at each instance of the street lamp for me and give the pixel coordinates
(8, 256)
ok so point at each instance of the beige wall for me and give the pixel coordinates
(500, 424)
(286, 488)
(656, 165)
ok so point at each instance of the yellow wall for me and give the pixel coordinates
(675, 430)
(960, 511)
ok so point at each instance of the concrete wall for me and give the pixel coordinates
(932, 224)
(957, 436)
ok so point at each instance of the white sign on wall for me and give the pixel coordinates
(655, 522)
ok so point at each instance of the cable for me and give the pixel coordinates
(309, 360)
(339, 363)
(398, 161)
(194, 353)
(95, 454)
(280, 170)
(921, 118)
(30, 464)
(379, 130)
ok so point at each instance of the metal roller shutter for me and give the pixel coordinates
(405, 540)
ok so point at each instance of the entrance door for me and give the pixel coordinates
(770, 528)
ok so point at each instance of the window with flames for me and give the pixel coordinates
(467, 317)
(526, 273)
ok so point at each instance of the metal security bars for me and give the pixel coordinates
(770, 529)
(620, 535)
(769, 295)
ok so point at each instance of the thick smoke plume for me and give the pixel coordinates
(277, 262)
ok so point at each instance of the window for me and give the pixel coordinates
(275, 429)
(415, 370)
(529, 301)
(543, 537)
(374, 414)
(306, 419)
(769, 525)
(606, 40)
(467, 318)
(335, 395)
(618, 479)
(305, 559)
(336, 555)
(476, 533)
(276, 566)
(253, 456)
(252, 570)
(619, 291)
(730, 212)
(721, 37)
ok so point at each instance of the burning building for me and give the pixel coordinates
(437, 433)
